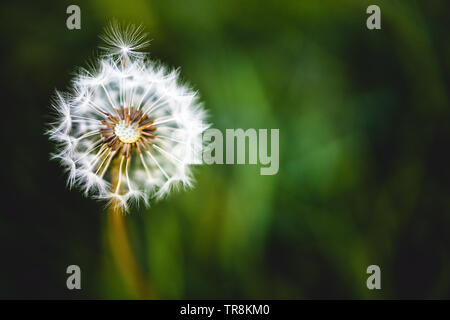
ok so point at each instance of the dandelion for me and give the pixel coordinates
(128, 130)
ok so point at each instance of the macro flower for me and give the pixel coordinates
(128, 129)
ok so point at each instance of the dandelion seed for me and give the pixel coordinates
(114, 115)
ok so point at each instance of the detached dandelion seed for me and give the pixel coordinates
(131, 111)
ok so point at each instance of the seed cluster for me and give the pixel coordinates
(126, 133)
(127, 129)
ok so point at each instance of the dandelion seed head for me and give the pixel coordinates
(131, 115)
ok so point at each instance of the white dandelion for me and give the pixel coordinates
(130, 115)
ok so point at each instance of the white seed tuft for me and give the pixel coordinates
(132, 114)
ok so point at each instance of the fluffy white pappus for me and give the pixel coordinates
(128, 130)
(61, 111)
(124, 41)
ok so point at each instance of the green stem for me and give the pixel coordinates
(122, 251)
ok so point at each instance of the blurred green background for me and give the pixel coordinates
(364, 132)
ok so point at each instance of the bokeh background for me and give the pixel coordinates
(364, 167)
